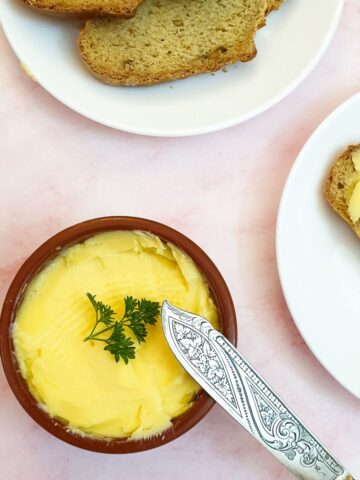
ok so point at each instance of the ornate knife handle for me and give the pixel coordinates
(220, 369)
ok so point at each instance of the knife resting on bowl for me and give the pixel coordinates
(231, 381)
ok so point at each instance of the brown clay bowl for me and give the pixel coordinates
(37, 261)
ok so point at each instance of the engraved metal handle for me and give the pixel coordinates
(220, 370)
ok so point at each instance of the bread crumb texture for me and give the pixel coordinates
(340, 185)
(171, 39)
(273, 5)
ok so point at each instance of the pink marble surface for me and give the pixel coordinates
(58, 168)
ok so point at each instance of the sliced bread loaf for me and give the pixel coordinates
(341, 186)
(121, 8)
(171, 39)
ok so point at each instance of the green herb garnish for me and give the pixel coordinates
(138, 314)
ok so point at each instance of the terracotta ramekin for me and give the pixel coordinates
(46, 252)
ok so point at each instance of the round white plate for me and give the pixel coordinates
(318, 254)
(288, 48)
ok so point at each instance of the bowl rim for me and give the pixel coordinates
(45, 253)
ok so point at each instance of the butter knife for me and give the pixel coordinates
(234, 384)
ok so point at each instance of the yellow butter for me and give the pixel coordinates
(354, 201)
(354, 204)
(28, 71)
(80, 382)
(355, 157)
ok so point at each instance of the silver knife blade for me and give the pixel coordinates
(234, 384)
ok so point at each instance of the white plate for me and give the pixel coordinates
(289, 47)
(318, 255)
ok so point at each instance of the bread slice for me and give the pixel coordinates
(171, 39)
(86, 8)
(340, 184)
(273, 5)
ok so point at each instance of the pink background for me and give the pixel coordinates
(222, 190)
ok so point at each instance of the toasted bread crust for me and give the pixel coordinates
(121, 8)
(339, 185)
(135, 79)
(273, 5)
(109, 71)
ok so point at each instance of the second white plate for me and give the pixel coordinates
(318, 255)
(288, 48)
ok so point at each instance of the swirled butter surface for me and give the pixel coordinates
(81, 383)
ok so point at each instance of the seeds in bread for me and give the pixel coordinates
(340, 185)
(121, 8)
(171, 39)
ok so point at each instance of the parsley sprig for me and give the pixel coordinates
(138, 314)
